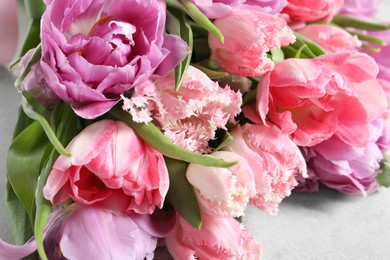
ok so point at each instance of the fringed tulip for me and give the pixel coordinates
(223, 191)
(111, 167)
(259, 33)
(218, 238)
(275, 161)
(188, 117)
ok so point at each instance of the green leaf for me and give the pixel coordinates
(346, 21)
(384, 177)
(18, 216)
(212, 74)
(34, 59)
(227, 139)
(30, 108)
(65, 123)
(181, 193)
(34, 8)
(314, 47)
(368, 38)
(201, 19)
(153, 136)
(23, 164)
(32, 38)
(178, 24)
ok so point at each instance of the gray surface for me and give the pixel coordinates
(326, 225)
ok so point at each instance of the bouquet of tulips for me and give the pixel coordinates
(152, 123)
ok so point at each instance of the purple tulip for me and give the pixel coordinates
(360, 8)
(94, 50)
(349, 169)
(83, 232)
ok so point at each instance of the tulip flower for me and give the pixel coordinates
(223, 191)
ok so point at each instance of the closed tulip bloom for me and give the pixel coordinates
(223, 191)
(111, 167)
(331, 38)
(218, 238)
(307, 10)
(259, 33)
(275, 161)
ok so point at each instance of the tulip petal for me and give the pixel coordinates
(90, 233)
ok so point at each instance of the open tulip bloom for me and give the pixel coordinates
(155, 123)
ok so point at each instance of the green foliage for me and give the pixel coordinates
(181, 194)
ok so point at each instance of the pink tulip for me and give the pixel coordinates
(8, 30)
(247, 55)
(188, 117)
(95, 50)
(219, 239)
(314, 99)
(331, 38)
(360, 8)
(275, 161)
(110, 167)
(220, 8)
(223, 191)
(308, 10)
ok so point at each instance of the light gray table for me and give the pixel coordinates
(325, 225)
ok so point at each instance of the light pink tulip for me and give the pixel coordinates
(219, 239)
(275, 161)
(331, 38)
(314, 99)
(258, 32)
(8, 30)
(188, 117)
(308, 10)
(220, 8)
(223, 191)
(111, 167)
(95, 50)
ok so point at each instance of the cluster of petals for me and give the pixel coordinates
(259, 33)
(188, 117)
(218, 238)
(109, 167)
(314, 99)
(275, 160)
(94, 50)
